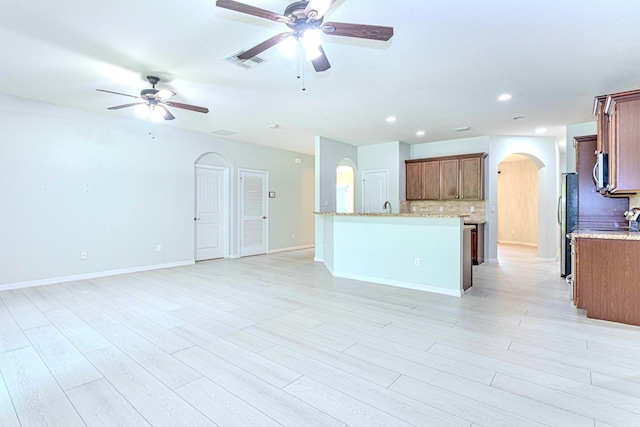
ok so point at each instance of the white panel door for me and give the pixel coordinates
(253, 212)
(375, 190)
(211, 212)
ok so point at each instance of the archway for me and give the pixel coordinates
(345, 186)
(518, 201)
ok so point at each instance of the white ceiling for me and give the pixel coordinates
(444, 68)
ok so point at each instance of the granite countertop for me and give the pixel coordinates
(413, 214)
(603, 234)
(474, 221)
(469, 227)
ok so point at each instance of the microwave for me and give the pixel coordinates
(601, 172)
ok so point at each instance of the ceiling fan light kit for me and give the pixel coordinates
(154, 101)
(305, 19)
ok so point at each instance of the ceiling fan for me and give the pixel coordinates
(154, 101)
(305, 19)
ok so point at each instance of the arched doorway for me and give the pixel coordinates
(345, 187)
(518, 208)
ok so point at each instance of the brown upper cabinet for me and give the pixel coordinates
(446, 178)
(618, 143)
(602, 145)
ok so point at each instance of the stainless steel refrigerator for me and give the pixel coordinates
(567, 218)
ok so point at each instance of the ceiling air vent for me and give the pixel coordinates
(246, 63)
(223, 132)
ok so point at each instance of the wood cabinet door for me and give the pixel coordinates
(624, 158)
(431, 180)
(415, 181)
(449, 179)
(471, 178)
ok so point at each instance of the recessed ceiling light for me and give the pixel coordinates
(420, 133)
(541, 130)
(504, 97)
(274, 126)
(391, 119)
(462, 129)
(518, 118)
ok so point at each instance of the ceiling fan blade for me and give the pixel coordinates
(373, 32)
(164, 94)
(118, 107)
(317, 8)
(167, 114)
(117, 93)
(321, 63)
(263, 46)
(187, 107)
(251, 10)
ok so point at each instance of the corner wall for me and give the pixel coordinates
(76, 181)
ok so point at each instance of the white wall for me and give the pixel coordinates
(451, 147)
(75, 181)
(329, 153)
(577, 129)
(390, 257)
(384, 156)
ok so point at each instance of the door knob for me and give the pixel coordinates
(264, 217)
(195, 219)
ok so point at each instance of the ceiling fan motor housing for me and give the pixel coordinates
(301, 21)
(148, 94)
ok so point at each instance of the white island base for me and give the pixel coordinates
(422, 252)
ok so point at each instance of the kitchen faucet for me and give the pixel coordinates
(387, 205)
(632, 216)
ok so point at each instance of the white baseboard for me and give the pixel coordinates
(291, 248)
(540, 259)
(509, 242)
(491, 260)
(92, 275)
(316, 259)
(406, 285)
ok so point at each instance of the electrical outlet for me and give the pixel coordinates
(83, 255)
(441, 209)
(413, 208)
(416, 262)
(158, 248)
(472, 209)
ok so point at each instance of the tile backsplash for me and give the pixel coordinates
(449, 207)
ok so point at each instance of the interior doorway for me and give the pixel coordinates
(252, 185)
(211, 207)
(345, 187)
(518, 191)
(375, 190)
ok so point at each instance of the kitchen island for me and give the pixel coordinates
(606, 274)
(416, 251)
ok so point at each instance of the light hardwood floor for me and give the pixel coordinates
(276, 340)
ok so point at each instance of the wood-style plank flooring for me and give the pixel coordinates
(276, 340)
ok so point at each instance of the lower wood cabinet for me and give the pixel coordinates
(477, 244)
(606, 279)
